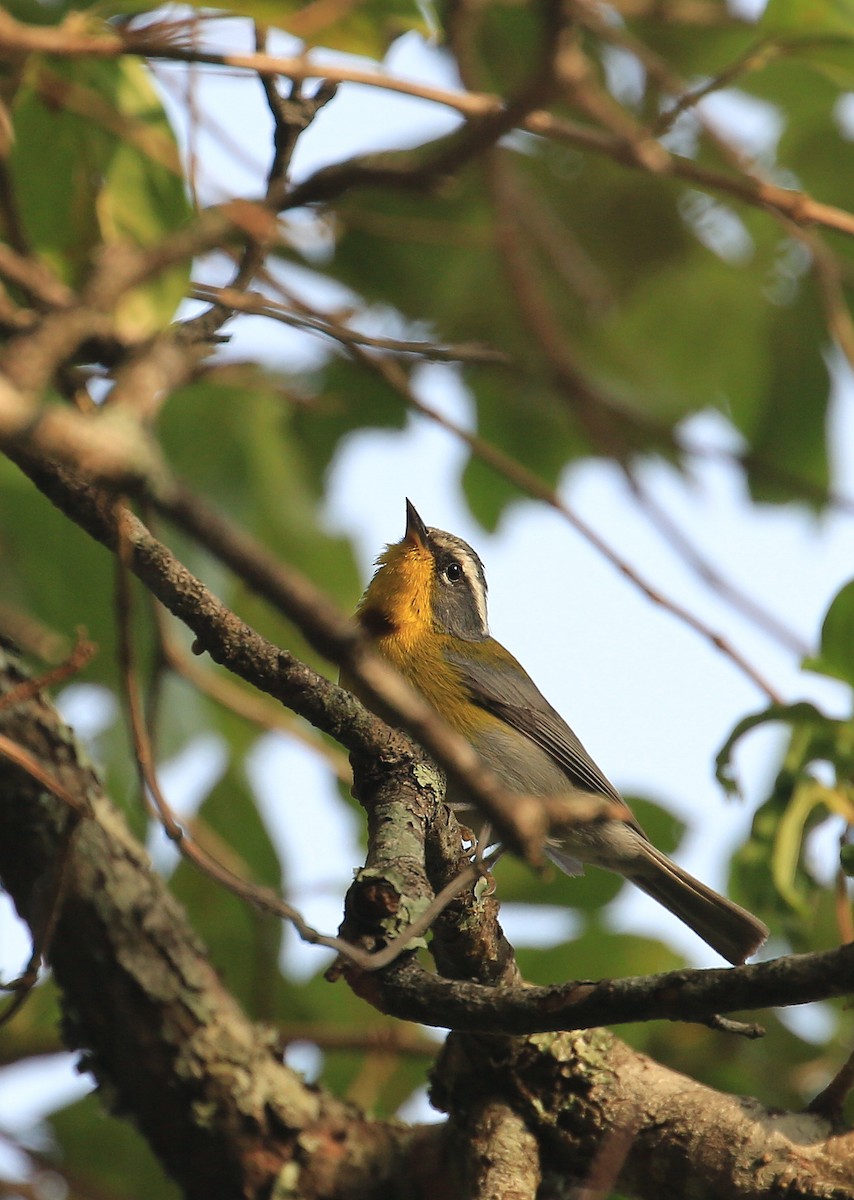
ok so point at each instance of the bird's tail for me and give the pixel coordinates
(726, 927)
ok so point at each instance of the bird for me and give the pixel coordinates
(425, 612)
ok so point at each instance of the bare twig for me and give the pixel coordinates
(408, 991)
(44, 926)
(34, 278)
(329, 182)
(22, 758)
(831, 1100)
(252, 707)
(22, 987)
(722, 587)
(404, 1040)
(32, 635)
(102, 446)
(82, 653)
(260, 305)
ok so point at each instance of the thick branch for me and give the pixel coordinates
(609, 1119)
(407, 990)
(161, 1032)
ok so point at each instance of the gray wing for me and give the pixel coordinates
(503, 688)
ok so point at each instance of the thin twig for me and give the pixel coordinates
(52, 901)
(248, 705)
(329, 182)
(22, 758)
(831, 1099)
(385, 1039)
(82, 653)
(722, 587)
(259, 305)
(24, 984)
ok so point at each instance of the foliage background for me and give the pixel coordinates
(682, 317)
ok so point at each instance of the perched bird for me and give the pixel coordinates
(425, 611)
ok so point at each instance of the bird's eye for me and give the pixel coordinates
(453, 572)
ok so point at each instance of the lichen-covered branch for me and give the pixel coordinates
(609, 1118)
(158, 1028)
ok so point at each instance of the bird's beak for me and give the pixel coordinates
(416, 530)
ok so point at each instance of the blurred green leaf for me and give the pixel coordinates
(846, 859)
(349, 399)
(232, 435)
(367, 28)
(34, 1029)
(518, 884)
(36, 13)
(598, 954)
(810, 17)
(108, 1154)
(319, 1003)
(803, 716)
(244, 943)
(836, 656)
(115, 174)
(700, 50)
(789, 840)
(768, 871)
(788, 439)
(54, 570)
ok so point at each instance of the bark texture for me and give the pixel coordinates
(172, 1050)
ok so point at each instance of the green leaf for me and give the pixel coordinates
(803, 714)
(598, 954)
(810, 17)
(768, 872)
(846, 859)
(34, 1029)
(788, 437)
(676, 375)
(232, 435)
(704, 49)
(347, 398)
(525, 421)
(108, 1153)
(243, 942)
(789, 843)
(115, 174)
(836, 656)
(518, 884)
(367, 28)
(68, 581)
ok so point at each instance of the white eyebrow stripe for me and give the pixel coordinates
(472, 573)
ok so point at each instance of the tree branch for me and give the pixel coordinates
(328, 183)
(159, 1028)
(607, 1117)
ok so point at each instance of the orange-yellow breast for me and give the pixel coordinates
(396, 611)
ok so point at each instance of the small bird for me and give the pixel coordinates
(425, 612)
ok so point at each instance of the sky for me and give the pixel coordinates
(651, 700)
